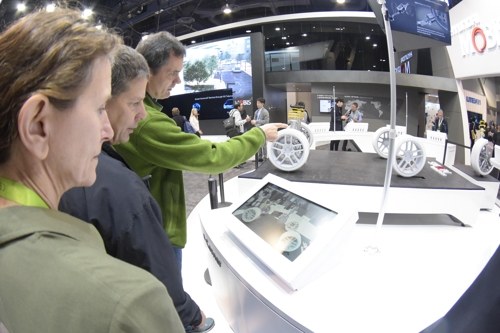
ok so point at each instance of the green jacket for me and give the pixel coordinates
(159, 148)
(55, 276)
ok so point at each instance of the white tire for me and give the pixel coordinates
(290, 151)
(289, 241)
(380, 142)
(480, 157)
(410, 156)
(251, 214)
(308, 132)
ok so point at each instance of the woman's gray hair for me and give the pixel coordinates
(157, 49)
(128, 66)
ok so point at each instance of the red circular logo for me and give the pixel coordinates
(478, 31)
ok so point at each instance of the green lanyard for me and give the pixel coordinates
(19, 193)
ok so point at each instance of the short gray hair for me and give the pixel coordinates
(128, 66)
(157, 48)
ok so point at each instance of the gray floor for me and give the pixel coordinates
(196, 184)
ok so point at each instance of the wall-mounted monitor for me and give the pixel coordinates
(416, 24)
(298, 234)
(325, 105)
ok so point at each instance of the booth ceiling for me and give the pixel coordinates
(180, 17)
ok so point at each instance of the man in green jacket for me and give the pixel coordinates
(159, 148)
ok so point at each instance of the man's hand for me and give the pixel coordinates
(203, 321)
(343, 117)
(254, 122)
(271, 130)
(248, 118)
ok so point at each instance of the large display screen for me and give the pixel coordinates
(215, 66)
(286, 221)
(427, 18)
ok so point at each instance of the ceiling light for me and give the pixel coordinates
(304, 35)
(226, 9)
(284, 37)
(287, 43)
(367, 37)
(249, 31)
(50, 7)
(193, 41)
(277, 28)
(340, 1)
(21, 7)
(87, 13)
(374, 45)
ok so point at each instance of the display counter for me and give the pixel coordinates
(424, 266)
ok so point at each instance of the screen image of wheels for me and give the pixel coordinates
(286, 221)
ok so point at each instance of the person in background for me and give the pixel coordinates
(472, 131)
(238, 120)
(352, 115)
(261, 117)
(440, 124)
(496, 136)
(119, 203)
(336, 122)
(160, 149)
(179, 120)
(193, 119)
(55, 274)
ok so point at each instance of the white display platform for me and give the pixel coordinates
(434, 147)
(420, 273)
(360, 176)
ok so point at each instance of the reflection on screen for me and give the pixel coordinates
(286, 221)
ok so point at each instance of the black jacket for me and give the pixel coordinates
(179, 120)
(336, 115)
(129, 220)
(443, 128)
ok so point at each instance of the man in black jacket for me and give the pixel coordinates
(336, 122)
(119, 203)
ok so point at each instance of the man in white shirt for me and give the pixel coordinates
(261, 117)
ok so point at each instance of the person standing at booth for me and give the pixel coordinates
(261, 117)
(336, 122)
(55, 275)
(353, 115)
(159, 148)
(119, 203)
(440, 124)
(193, 119)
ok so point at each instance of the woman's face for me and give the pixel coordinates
(195, 112)
(126, 109)
(75, 140)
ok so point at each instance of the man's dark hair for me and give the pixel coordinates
(237, 105)
(158, 48)
(262, 100)
(355, 104)
(339, 100)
